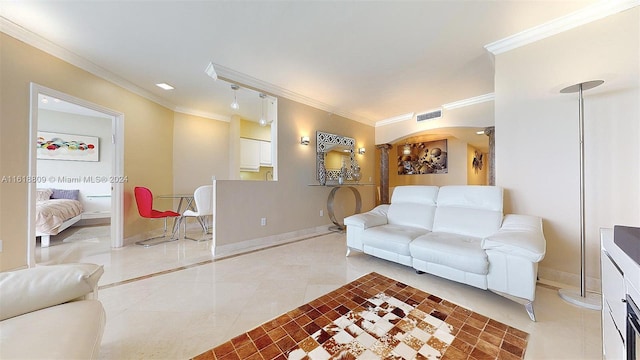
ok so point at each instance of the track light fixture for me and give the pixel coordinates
(234, 104)
(263, 120)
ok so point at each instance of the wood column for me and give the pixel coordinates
(384, 172)
(491, 133)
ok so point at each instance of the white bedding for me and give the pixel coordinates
(50, 214)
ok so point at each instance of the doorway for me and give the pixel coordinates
(105, 187)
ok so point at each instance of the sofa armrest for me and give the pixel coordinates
(28, 290)
(375, 217)
(520, 235)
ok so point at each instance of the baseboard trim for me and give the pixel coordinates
(242, 247)
(561, 279)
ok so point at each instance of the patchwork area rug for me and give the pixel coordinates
(375, 317)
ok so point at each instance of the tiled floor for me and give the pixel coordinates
(375, 317)
(181, 313)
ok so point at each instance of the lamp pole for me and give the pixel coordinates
(584, 298)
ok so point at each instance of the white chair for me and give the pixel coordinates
(203, 197)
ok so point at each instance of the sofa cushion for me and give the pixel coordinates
(68, 331)
(520, 235)
(375, 217)
(469, 210)
(394, 238)
(413, 206)
(36, 288)
(456, 251)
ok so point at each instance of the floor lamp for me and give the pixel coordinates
(582, 298)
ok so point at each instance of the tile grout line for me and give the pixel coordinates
(205, 262)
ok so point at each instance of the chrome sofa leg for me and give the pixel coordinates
(348, 251)
(529, 307)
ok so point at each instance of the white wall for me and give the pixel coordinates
(537, 150)
(82, 175)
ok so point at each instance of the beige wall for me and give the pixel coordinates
(148, 132)
(200, 151)
(158, 143)
(537, 150)
(290, 204)
(253, 130)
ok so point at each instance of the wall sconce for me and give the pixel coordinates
(361, 151)
(304, 140)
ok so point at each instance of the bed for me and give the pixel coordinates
(56, 210)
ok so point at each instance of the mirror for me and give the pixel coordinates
(336, 151)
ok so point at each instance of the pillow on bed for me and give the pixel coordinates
(65, 194)
(43, 194)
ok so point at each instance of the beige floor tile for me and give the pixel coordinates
(179, 314)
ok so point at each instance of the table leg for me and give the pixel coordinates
(332, 216)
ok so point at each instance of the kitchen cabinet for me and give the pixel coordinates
(620, 276)
(613, 300)
(254, 153)
(249, 155)
(265, 153)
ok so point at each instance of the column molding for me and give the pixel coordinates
(491, 133)
(384, 172)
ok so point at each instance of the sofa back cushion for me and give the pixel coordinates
(413, 206)
(469, 210)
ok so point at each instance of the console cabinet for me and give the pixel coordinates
(615, 267)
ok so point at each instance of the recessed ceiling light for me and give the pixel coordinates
(164, 86)
(481, 132)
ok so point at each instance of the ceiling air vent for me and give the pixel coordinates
(429, 115)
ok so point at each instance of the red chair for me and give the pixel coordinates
(144, 200)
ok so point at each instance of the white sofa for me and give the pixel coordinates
(458, 233)
(50, 312)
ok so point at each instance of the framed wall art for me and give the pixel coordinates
(57, 146)
(423, 158)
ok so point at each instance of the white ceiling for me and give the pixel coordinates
(367, 60)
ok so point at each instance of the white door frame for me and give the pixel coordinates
(117, 187)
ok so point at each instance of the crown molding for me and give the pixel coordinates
(449, 106)
(16, 31)
(395, 119)
(202, 114)
(583, 16)
(231, 75)
(469, 101)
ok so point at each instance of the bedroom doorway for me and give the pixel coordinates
(85, 169)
